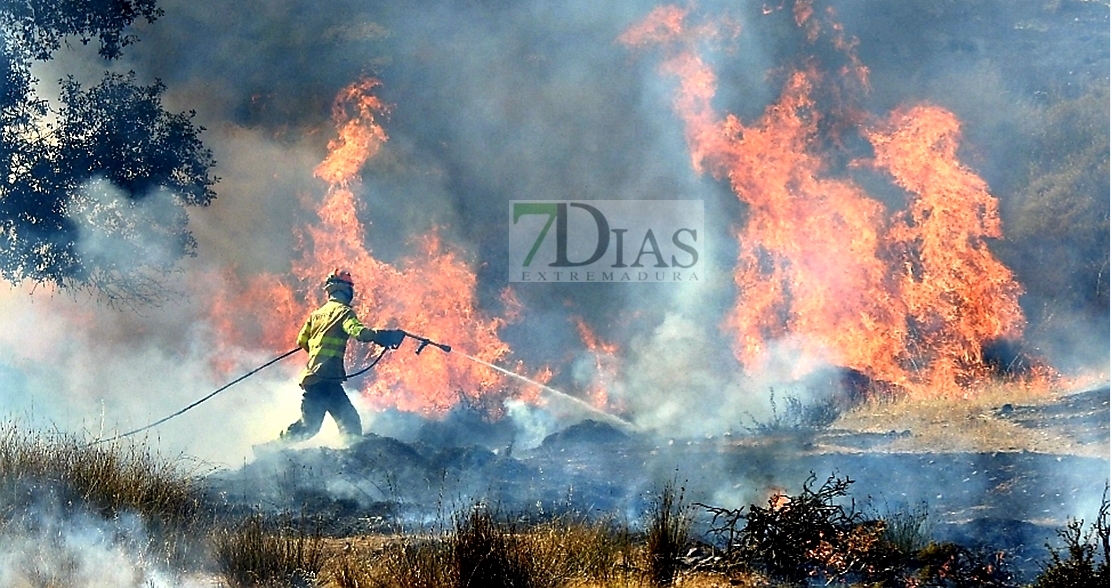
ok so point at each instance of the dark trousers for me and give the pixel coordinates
(320, 398)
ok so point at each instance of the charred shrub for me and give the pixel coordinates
(726, 525)
(791, 537)
(1005, 358)
(818, 535)
(809, 535)
(667, 531)
(1086, 555)
(948, 565)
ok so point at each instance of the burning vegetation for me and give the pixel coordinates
(830, 270)
(431, 291)
(867, 255)
(910, 299)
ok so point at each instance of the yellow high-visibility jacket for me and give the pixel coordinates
(324, 336)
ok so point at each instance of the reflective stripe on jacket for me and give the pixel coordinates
(324, 336)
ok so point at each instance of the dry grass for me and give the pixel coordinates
(110, 480)
(482, 549)
(254, 553)
(571, 549)
(356, 568)
(478, 547)
(968, 424)
(667, 536)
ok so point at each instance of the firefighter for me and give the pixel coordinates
(324, 336)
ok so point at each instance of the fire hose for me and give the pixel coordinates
(422, 343)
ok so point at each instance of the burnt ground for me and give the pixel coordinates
(1050, 463)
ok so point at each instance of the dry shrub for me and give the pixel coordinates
(796, 538)
(253, 554)
(1087, 555)
(819, 536)
(488, 553)
(798, 416)
(666, 537)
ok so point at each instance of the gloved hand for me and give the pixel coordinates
(391, 338)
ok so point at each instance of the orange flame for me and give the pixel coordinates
(431, 292)
(957, 294)
(821, 267)
(606, 365)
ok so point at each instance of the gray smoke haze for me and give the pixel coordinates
(491, 102)
(46, 541)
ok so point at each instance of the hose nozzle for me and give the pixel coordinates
(425, 342)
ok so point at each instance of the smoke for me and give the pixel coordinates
(264, 180)
(674, 386)
(491, 102)
(533, 424)
(50, 544)
(134, 238)
(104, 371)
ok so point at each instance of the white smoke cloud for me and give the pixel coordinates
(76, 365)
(45, 546)
(122, 233)
(533, 423)
(674, 384)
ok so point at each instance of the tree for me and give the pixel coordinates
(93, 190)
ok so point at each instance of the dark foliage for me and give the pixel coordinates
(37, 29)
(119, 129)
(94, 189)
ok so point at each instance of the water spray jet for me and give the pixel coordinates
(611, 419)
